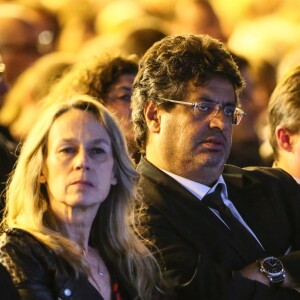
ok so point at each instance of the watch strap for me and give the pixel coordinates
(277, 280)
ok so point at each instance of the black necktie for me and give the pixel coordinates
(238, 232)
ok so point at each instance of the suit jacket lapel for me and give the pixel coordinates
(248, 197)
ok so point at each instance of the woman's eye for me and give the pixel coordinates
(97, 150)
(124, 98)
(67, 150)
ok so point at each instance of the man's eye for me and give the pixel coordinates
(203, 106)
(229, 110)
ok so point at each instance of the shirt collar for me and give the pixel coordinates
(196, 188)
(297, 179)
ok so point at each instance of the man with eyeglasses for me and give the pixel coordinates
(219, 231)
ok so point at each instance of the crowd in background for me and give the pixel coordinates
(264, 37)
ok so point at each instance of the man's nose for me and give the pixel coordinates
(218, 118)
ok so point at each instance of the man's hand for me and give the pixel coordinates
(252, 272)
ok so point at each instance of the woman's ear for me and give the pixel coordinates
(42, 178)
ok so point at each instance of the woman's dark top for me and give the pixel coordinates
(39, 273)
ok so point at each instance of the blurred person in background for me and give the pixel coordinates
(7, 147)
(140, 40)
(108, 77)
(114, 15)
(25, 35)
(141, 35)
(197, 17)
(261, 32)
(76, 22)
(23, 101)
(288, 61)
(264, 74)
(245, 141)
(3, 84)
(284, 123)
(135, 36)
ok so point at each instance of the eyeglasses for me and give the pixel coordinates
(208, 108)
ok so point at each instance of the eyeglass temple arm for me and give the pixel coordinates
(179, 102)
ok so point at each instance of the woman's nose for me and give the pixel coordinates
(82, 160)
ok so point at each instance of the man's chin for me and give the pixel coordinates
(213, 161)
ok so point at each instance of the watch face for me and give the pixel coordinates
(272, 265)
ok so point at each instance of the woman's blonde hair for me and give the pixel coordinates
(113, 229)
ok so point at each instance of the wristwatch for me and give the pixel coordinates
(273, 268)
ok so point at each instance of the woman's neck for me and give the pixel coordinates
(79, 234)
(77, 223)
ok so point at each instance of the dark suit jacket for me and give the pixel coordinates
(196, 248)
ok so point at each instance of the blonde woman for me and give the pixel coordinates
(67, 228)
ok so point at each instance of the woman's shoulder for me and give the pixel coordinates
(18, 232)
(21, 253)
(16, 237)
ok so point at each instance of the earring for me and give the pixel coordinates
(42, 179)
(114, 181)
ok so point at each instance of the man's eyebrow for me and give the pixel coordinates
(210, 99)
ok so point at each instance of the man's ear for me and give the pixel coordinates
(284, 138)
(152, 115)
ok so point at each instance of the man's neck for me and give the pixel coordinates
(291, 168)
(201, 175)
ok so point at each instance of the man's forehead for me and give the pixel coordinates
(208, 82)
